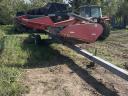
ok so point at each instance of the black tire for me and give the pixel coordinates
(106, 31)
(33, 39)
(37, 39)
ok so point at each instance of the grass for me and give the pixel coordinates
(7, 29)
(11, 56)
(114, 49)
(12, 49)
(9, 85)
(15, 55)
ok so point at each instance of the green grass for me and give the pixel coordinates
(12, 58)
(15, 55)
(114, 49)
(12, 53)
(9, 85)
(7, 29)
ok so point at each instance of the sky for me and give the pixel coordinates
(28, 1)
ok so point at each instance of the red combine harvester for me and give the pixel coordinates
(76, 27)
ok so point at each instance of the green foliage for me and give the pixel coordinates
(123, 9)
(110, 7)
(8, 9)
(41, 3)
(77, 3)
(37, 3)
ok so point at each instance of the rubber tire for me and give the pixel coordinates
(37, 39)
(34, 39)
(106, 31)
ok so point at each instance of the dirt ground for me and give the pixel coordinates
(63, 81)
(67, 76)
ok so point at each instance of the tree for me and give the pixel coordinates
(8, 9)
(41, 3)
(123, 8)
(77, 3)
(109, 7)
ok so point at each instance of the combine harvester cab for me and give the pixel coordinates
(94, 13)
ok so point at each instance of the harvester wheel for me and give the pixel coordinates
(106, 31)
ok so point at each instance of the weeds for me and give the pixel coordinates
(114, 49)
(11, 54)
(9, 82)
(15, 54)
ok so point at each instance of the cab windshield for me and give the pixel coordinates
(92, 11)
(95, 12)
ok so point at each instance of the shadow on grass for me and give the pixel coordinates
(42, 56)
(45, 56)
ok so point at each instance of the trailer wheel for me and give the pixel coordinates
(106, 31)
(34, 39)
(37, 40)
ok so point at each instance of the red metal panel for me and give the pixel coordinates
(105, 18)
(21, 17)
(42, 20)
(88, 32)
(74, 28)
(37, 23)
(66, 22)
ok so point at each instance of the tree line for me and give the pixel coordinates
(8, 8)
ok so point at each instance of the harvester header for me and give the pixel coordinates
(55, 17)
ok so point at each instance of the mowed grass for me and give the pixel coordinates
(11, 55)
(16, 55)
(114, 49)
(9, 85)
